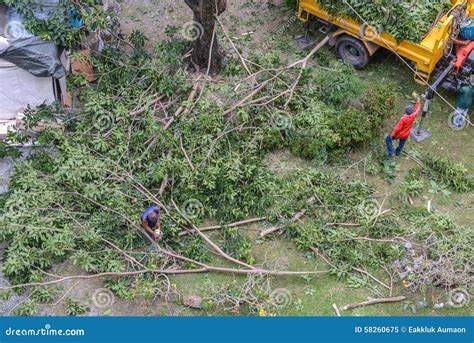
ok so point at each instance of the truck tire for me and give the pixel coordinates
(353, 51)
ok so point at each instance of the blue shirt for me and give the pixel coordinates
(145, 216)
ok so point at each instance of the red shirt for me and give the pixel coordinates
(402, 131)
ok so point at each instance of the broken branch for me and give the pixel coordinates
(374, 301)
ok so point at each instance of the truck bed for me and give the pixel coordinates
(425, 54)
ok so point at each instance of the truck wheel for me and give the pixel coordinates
(458, 121)
(353, 51)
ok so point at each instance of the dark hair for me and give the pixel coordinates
(409, 110)
(153, 216)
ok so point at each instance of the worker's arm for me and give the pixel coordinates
(417, 110)
(158, 223)
(157, 232)
(147, 227)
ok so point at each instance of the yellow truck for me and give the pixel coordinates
(356, 41)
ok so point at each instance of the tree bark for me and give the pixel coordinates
(374, 301)
(205, 47)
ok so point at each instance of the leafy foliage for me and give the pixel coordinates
(45, 295)
(341, 113)
(452, 174)
(57, 27)
(237, 245)
(75, 308)
(28, 308)
(405, 19)
(343, 203)
(412, 186)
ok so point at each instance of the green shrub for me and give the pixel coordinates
(342, 112)
(446, 171)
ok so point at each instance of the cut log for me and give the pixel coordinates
(374, 301)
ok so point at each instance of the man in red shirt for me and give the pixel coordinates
(402, 131)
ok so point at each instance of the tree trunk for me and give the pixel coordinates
(202, 34)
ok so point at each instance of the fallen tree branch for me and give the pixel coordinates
(185, 108)
(414, 159)
(334, 306)
(186, 154)
(326, 259)
(344, 224)
(303, 67)
(303, 62)
(252, 270)
(108, 274)
(144, 108)
(374, 301)
(295, 218)
(204, 267)
(217, 227)
(362, 271)
(163, 185)
(210, 242)
(242, 60)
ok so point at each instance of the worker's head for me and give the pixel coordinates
(153, 216)
(409, 110)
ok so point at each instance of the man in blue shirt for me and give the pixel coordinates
(151, 222)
